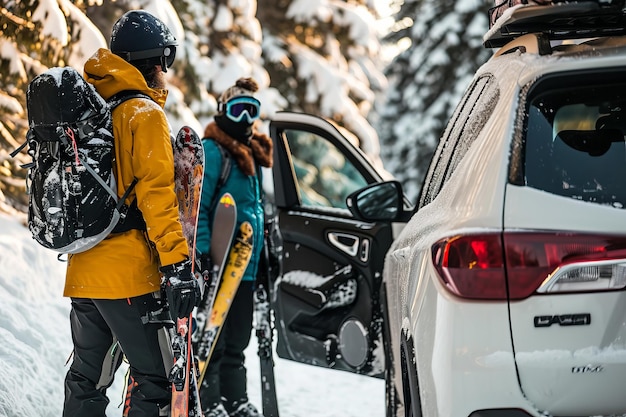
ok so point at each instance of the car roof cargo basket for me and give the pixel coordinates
(555, 19)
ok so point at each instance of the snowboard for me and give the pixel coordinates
(189, 173)
(238, 259)
(222, 233)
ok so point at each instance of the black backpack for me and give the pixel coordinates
(73, 203)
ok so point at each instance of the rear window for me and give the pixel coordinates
(574, 139)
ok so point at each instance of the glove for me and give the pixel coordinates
(181, 289)
(204, 265)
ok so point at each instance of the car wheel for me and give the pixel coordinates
(410, 384)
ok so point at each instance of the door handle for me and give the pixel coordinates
(364, 254)
(345, 242)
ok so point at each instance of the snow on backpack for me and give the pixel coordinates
(73, 202)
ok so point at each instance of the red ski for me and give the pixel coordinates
(189, 172)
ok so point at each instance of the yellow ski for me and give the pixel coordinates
(238, 260)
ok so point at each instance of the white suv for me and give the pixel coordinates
(504, 294)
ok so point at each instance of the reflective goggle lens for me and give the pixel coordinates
(240, 106)
(167, 57)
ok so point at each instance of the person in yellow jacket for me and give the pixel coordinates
(117, 284)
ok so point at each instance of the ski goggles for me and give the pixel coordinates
(165, 55)
(238, 107)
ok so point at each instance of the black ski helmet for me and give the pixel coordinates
(142, 39)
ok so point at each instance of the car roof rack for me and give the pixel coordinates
(534, 43)
(557, 21)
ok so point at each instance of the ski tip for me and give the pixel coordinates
(187, 131)
(227, 200)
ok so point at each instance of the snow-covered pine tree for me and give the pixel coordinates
(427, 80)
(27, 47)
(324, 58)
(319, 57)
(222, 43)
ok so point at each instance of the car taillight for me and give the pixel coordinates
(489, 266)
(472, 266)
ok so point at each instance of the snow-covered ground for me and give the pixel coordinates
(36, 343)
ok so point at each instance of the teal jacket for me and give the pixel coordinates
(248, 195)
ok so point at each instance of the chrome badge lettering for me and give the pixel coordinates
(587, 369)
(581, 319)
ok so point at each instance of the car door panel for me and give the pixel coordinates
(326, 301)
(324, 289)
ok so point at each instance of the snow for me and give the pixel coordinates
(9, 52)
(91, 38)
(506, 15)
(34, 327)
(343, 79)
(52, 20)
(10, 103)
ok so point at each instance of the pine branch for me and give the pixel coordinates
(16, 19)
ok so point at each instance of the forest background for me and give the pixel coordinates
(388, 72)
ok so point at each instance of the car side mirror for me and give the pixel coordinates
(377, 202)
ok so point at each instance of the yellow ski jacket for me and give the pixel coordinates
(126, 264)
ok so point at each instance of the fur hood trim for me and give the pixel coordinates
(259, 151)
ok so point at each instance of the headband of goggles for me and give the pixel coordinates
(165, 54)
(239, 107)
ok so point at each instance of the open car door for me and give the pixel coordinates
(326, 301)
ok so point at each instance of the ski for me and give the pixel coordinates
(264, 331)
(189, 172)
(222, 233)
(265, 351)
(238, 259)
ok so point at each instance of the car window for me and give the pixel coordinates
(464, 127)
(574, 143)
(324, 175)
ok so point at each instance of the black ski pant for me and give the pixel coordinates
(225, 379)
(95, 324)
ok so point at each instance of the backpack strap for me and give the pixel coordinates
(130, 215)
(226, 164)
(122, 96)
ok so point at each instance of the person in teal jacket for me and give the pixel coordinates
(223, 391)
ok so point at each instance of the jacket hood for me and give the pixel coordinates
(111, 74)
(258, 152)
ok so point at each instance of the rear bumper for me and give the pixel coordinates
(464, 358)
